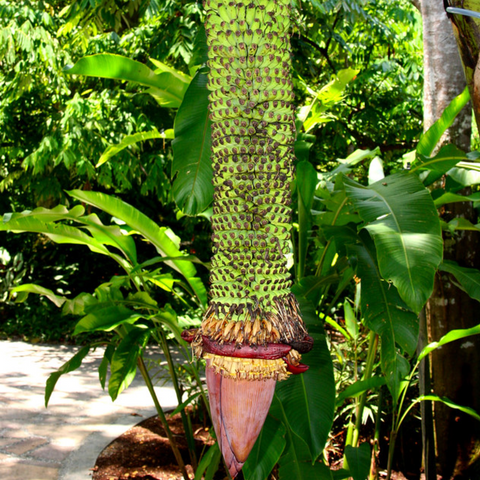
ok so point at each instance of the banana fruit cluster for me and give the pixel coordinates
(253, 134)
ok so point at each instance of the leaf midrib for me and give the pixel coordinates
(384, 295)
(404, 249)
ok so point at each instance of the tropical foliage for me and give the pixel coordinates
(366, 237)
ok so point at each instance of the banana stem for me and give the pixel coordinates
(376, 438)
(161, 416)
(391, 449)
(187, 424)
(372, 350)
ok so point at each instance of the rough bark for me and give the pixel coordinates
(443, 77)
(454, 369)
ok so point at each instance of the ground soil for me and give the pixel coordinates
(144, 453)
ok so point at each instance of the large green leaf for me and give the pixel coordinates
(351, 322)
(106, 361)
(185, 258)
(465, 174)
(296, 462)
(435, 398)
(267, 450)
(78, 305)
(60, 212)
(67, 367)
(27, 288)
(111, 235)
(42, 220)
(162, 67)
(306, 184)
(161, 237)
(59, 233)
(308, 400)
(168, 317)
(402, 219)
(191, 167)
(459, 223)
(105, 317)
(360, 386)
(292, 467)
(441, 163)
(339, 211)
(303, 143)
(430, 139)
(386, 314)
(129, 140)
(166, 88)
(468, 278)
(312, 287)
(209, 462)
(200, 49)
(340, 474)
(358, 459)
(124, 360)
(449, 197)
(332, 93)
(451, 336)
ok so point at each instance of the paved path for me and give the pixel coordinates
(63, 441)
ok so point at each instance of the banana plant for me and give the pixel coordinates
(252, 334)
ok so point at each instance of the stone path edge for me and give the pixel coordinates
(78, 465)
(64, 441)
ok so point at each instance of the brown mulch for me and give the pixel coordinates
(144, 452)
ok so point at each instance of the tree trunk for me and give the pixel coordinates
(443, 77)
(454, 368)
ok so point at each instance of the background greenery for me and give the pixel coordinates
(54, 126)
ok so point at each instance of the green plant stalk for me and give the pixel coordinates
(372, 351)
(391, 450)
(397, 420)
(404, 393)
(335, 298)
(148, 382)
(353, 431)
(200, 385)
(348, 441)
(161, 415)
(187, 424)
(186, 421)
(323, 296)
(327, 245)
(376, 437)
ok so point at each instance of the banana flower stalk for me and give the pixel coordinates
(252, 334)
